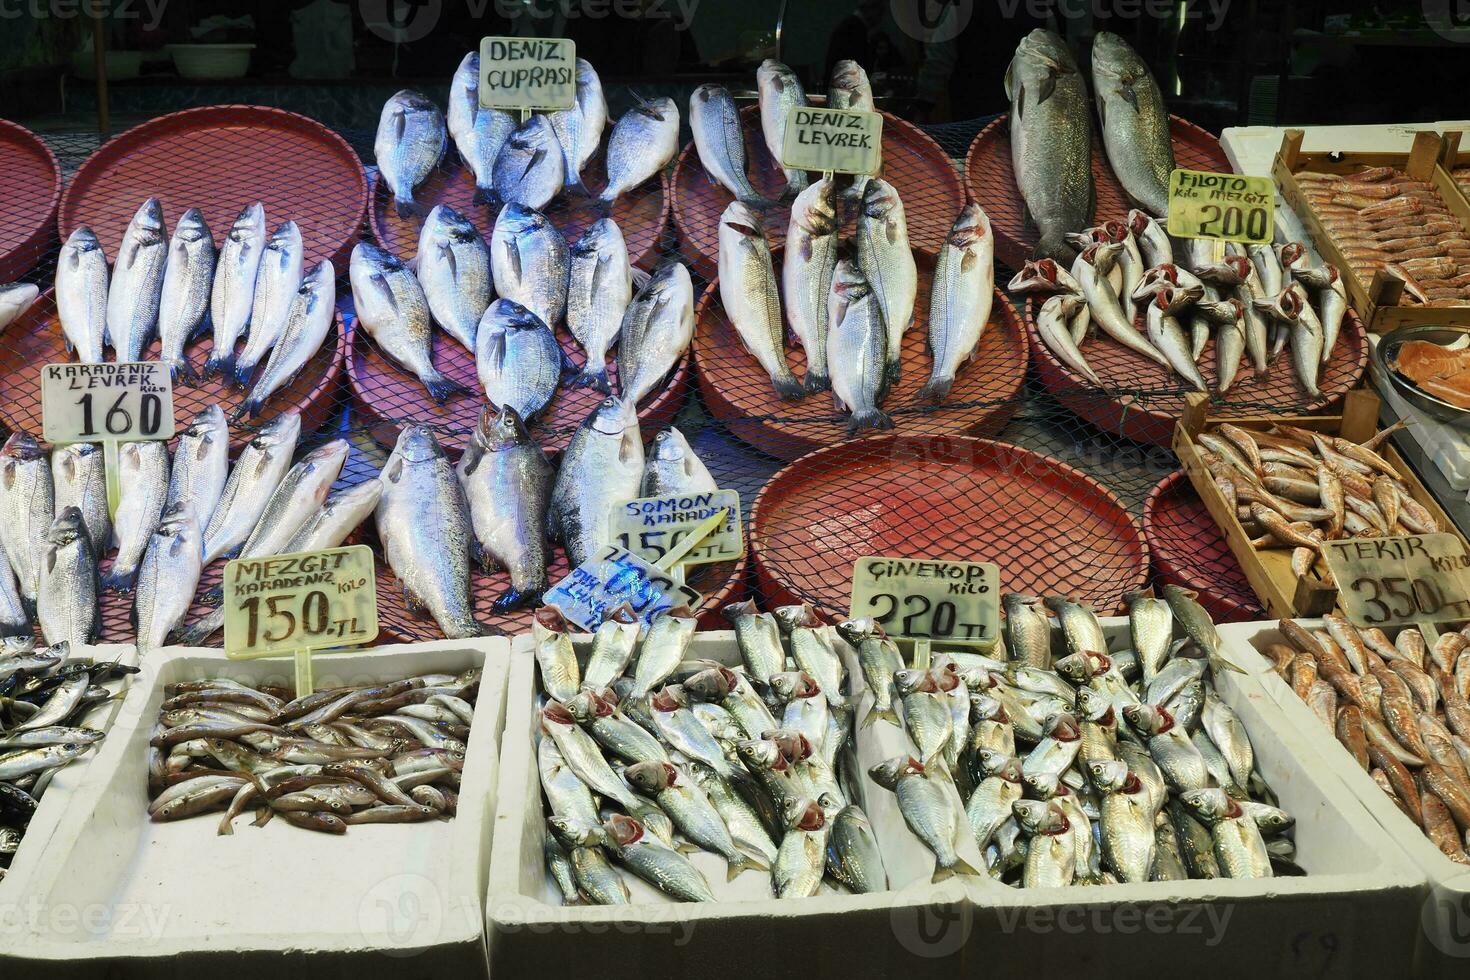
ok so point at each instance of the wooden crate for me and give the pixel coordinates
(1269, 572)
(1378, 302)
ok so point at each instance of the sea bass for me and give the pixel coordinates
(81, 294)
(233, 293)
(276, 282)
(1135, 123)
(309, 319)
(807, 265)
(187, 283)
(959, 305)
(137, 283)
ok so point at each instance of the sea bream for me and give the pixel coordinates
(642, 143)
(656, 331)
(518, 358)
(392, 308)
(137, 283)
(530, 262)
(410, 142)
(601, 467)
(599, 289)
(530, 168)
(720, 142)
(479, 133)
(507, 481)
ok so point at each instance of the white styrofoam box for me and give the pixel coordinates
(54, 802)
(121, 896)
(1444, 920)
(1447, 446)
(747, 930)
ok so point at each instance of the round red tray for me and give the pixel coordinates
(221, 159)
(912, 162)
(1052, 529)
(1142, 400)
(739, 393)
(36, 340)
(641, 214)
(32, 192)
(1187, 549)
(991, 181)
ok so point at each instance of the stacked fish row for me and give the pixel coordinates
(254, 287)
(388, 753)
(47, 698)
(1088, 769)
(1295, 488)
(1381, 218)
(746, 763)
(1256, 301)
(541, 283)
(1400, 707)
(527, 163)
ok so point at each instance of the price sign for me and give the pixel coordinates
(652, 527)
(840, 141)
(1421, 578)
(932, 600)
(612, 577)
(301, 603)
(1226, 207)
(528, 73)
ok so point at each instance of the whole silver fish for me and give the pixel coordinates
(1135, 123)
(27, 503)
(423, 522)
(14, 622)
(201, 464)
(656, 331)
(256, 474)
(807, 266)
(924, 800)
(187, 283)
(309, 319)
(137, 283)
(67, 607)
(409, 144)
(1106, 307)
(530, 262)
(595, 879)
(232, 295)
(750, 297)
(276, 283)
(464, 95)
(507, 481)
(1230, 345)
(642, 143)
(1225, 729)
(392, 308)
(82, 294)
(848, 87)
(780, 92)
(331, 523)
(887, 262)
(15, 299)
(1051, 141)
(1027, 630)
(857, 343)
(1167, 336)
(759, 639)
(601, 467)
(1053, 324)
(453, 266)
(1193, 617)
(1239, 847)
(301, 493)
(168, 575)
(878, 659)
(518, 358)
(1126, 820)
(655, 862)
(801, 856)
(662, 650)
(959, 305)
(1331, 302)
(479, 133)
(673, 467)
(599, 289)
(591, 113)
(742, 819)
(692, 811)
(1151, 627)
(720, 141)
(989, 805)
(566, 126)
(1308, 342)
(530, 169)
(612, 649)
(556, 659)
(79, 480)
(813, 650)
(853, 855)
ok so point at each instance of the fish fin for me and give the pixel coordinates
(120, 579)
(684, 847)
(230, 554)
(407, 207)
(886, 714)
(874, 419)
(1048, 86)
(243, 372)
(513, 598)
(182, 371)
(640, 278)
(816, 383)
(936, 390)
(441, 388)
(1020, 100)
(486, 196)
(941, 873)
(414, 604)
(595, 379)
(734, 868)
(1129, 95)
(788, 388)
(221, 365)
(484, 558)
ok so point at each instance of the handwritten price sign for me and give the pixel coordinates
(1422, 578)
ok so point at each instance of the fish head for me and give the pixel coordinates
(792, 684)
(498, 431)
(1062, 726)
(1005, 766)
(611, 417)
(815, 211)
(178, 520)
(888, 772)
(798, 616)
(600, 235)
(970, 229)
(328, 457)
(744, 221)
(1139, 221)
(570, 833)
(1114, 56)
(408, 100)
(556, 715)
(761, 753)
(1102, 255)
(652, 777)
(804, 815)
(192, 227)
(368, 258)
(67, 528)
(911, 681)
(280, 432)
(1041, 58)
(1172, 299)
(709, 92)
(793, 744)
(148, 219)
(1209, 805)
(712, 684)
(582, 707)
(849, 286)
(1094, 706)
(417, 444)
(1076, 667)
(1273, 820)
(1107, 775)
(550, 619)
(84, 239)
(249, 224)
(855, 631)
(1290, 253)
(516, 219)
(881, 200)
(287, 236)
(670, 446)
(983, 707)
(1033, 816)
(469, 69)
(671, 698)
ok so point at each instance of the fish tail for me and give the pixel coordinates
(1054, 246)
(963, 867)
(576, 185)
(243, 372)
(223, 364)
(181, 371)
(441, 388)
(744, 863)
(817, 382)
(407, 207)
(885, 714)
(485, 195)
(196, 634)
(935, 390)
(604, 204)
(513, 598)
(120, 578)
(942, 873)
(788, 388)
(870, 419)
(595, 378)
(892, 371)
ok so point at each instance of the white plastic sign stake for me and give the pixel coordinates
(129, 401)
(931, 600)
(301, 604)
(652, 527)
(844, 141)
(614, 577)
(1224, 207)
(1419, 578)
(528, 73)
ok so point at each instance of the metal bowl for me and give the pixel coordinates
(1386, 350)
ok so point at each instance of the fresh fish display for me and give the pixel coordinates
(262, 465)
(673, 468)
(188, 281)
(410, 142)
(599, 289)
(67, 597)
(27, 506)
(82, 294)
(392, 308)
(276, 282)
(309, 319)
(959, 305)
(530, 262)
(656, 331)
(201, 464)
(857, 342)
(507, 481)
(642, 143)
(720, 142)
(531, 168)
(168, 575)
(780, 92)
(887, 262)
(601, 468)
(1134, 122)
(807, 265)
(750, 297)
(518, 358)
(453, 266)
(232, 295)
(137, 283)
(79, 480)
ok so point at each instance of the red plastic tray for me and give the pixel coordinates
(1142, 400)
(32, 190)
(641, 214)
(221, 159)
(1051, 528)
(913, 163)
(36, 340)
(991, 181)
(1188, 550)
(739, 393)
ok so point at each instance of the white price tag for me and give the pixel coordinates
(929, 599)
(123, 402)
(1420, 578)
(651, 527)
(614, 577)
(528, 73)
(840, 141)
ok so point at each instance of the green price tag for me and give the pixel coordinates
(1419, 578)
(1225, 207)
(929, 599)
(521, 73)
(839, 141)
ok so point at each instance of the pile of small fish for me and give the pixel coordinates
(15, 299)
(1132, 768)
(388, 753)
(1051, 134)
(1400, 707)
(253, 288)
(747, 763)
(1256, 302)
(45, 697)
(174, 517)
(1295, 488)
(1381, 218)
(527, 163)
